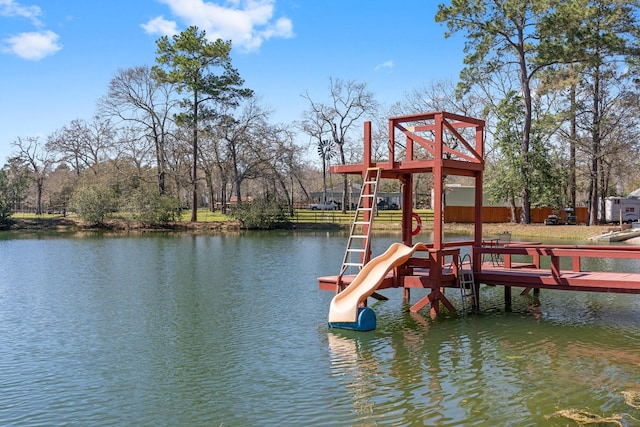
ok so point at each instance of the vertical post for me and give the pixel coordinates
(368, 202)
(478, 208)
(575, 263)
(391, 143)
(555, 266)
(507, 260)
(367, 145)
(477, 238)
(407, 208)
(438, 185)
(435, 277)
(406, 295)
(480, 141)
(476, 293)
(409, 149)
(477, 232)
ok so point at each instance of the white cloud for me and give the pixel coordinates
(247, 23)
(11, 8)
(387, 65)
(33, 46)
(161, 26)
(28, 45)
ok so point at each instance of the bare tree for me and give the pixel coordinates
(15, 179)
(349, 103)
(179, 164)
(242, 139)
(283, 163)
(136, 96)
(32, 153)
(134, 155)
(609, 146)
(83, 144)
(216, 166)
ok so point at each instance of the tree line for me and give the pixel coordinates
(563, 79)
(556, 81)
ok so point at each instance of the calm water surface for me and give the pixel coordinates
(230, 330)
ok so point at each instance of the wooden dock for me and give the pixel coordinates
(557, 267)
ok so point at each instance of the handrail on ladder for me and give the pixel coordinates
(466, 282)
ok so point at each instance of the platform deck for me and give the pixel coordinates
(516, 276)
(586, 281)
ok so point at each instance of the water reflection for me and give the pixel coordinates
(482, 370)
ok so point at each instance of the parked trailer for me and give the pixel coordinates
(621, 209)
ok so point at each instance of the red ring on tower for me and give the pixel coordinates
(418, 224)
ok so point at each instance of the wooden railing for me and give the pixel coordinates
(573, 253)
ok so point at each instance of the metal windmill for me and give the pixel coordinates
(326, 150)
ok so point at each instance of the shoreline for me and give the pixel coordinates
(562, 232)
(68, 224)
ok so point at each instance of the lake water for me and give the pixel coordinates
(231, 330)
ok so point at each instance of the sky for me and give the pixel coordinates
(58, 57)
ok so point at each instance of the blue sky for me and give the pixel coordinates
(57, 57)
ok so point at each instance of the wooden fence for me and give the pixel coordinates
(337, 217)
(459, 214)
(498, 214)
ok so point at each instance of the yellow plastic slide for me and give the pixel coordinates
(344, 306)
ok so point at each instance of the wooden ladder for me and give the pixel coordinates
(358, 250)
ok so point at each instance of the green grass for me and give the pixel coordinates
(311, 216)
(205, 215)
(300, 215)
(30, 215)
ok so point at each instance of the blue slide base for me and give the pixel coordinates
(366, 321)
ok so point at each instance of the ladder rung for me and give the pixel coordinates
(359, 236)
(356, 250)
(362, 222)
(353, 264)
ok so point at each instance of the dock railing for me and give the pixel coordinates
(556, 254)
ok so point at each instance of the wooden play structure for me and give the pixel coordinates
(445, 144)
